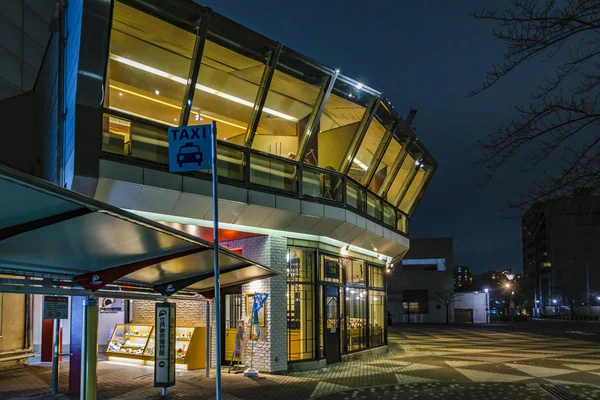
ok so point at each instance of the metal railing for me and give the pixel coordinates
(252, 168)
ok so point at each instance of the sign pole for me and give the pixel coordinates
(216, 262)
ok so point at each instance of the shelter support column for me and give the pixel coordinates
(89, 351)
(76, 341)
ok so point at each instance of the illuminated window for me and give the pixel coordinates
(413, 191)
(376, 318)
(547, 264)
(341, 117)
(356, 319)
(355, 271)
(401, 179)
(148, 65)
(289, 105)
(376, 277)
(300, 304)
(1, 298)
(384, 168)
(228, 83)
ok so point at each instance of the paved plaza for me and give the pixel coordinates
(423, 362)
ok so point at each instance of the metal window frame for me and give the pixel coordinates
(262, 93)
(315, 119)
(196, 62)
(359, 135)
(378, 156)
(387, 183)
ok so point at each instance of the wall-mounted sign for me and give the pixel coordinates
(164, 355)
(332, 269)
(56, 307)
(109, 306)
(190, 148)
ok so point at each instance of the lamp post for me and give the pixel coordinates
(487, 305)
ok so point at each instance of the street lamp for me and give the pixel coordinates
(507, 285)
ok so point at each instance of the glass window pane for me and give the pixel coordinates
(301, 265)
(389, 215)
(321, 184)
(355, 272)
(292, 97)
(392, 152)
(366, 151)
(343, 112)
(356, 319)
(355, 196)
(274, 173)
(376, 277)
(376, 137)
(376, 318)
(226, 91)
(374, 206)
(402, 223)
(413, 191)
(300, 322)
(400, 179)
(330, 269)
(148, 66)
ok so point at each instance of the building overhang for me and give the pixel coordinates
(174, 198)
(48, 231)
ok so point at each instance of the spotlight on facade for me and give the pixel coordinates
(486, 290)
(554, 301)
(344, 250)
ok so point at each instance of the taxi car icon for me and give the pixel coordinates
(189, 153)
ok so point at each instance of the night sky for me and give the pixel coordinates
(427, 55)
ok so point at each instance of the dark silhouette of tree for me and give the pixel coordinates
(564, 114)
(446, 298)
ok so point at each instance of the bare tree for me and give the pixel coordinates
(446, 298)
(564, 113)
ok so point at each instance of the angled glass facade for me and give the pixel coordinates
(285, 123)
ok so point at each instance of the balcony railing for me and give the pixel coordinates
(146, 141)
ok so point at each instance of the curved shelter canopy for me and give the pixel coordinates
(48, 231)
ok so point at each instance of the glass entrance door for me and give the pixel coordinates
(332, 324)
(233, 317)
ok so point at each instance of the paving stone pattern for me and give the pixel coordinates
(422, 363)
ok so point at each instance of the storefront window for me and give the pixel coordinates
(356, 319)
(300, 304)
(330, 269)
(355, 272)
(341, 117)
(291, 100)
(148, 66)
(376, 318)
(376, 277)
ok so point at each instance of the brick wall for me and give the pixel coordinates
(188, 312)
(270, 351)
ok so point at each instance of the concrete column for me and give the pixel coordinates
(89, 351)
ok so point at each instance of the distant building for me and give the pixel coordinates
(463, 280)
(560, 250)
(426, 269)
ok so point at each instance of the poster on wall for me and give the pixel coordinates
(164, 356)
(110, 305)
(332, 269)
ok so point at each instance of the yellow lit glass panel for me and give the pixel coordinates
(413, 191)
(149, 61)
(389, 157)
(366, 151)
(341, 117)
(376, 318)
(400, 180)
(226, 91)
(290, 102)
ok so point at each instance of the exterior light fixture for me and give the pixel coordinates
(359, 86)
(486, 290)
(120, 93)
(344, 250)
(337, 70)
(374, 248)
(554, 301)
(598, 298)
(507, 284)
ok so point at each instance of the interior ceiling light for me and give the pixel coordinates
(206, 89)
(157, 92)
(360, 164)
